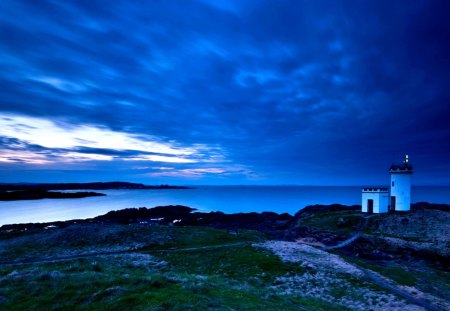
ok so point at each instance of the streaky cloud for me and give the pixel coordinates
(24, 136)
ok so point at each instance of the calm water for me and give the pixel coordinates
(226, 199)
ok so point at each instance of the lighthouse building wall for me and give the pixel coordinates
(380, 201)
(401, 189)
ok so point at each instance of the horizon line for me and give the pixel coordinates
(226, 185)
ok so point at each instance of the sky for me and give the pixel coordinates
(224, 92)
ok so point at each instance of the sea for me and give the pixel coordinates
(227, 199)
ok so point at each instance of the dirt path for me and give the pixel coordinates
(321, 260)
(125, 251)
(380, 281)
(203, 247)
(355, 236)
(344, 243)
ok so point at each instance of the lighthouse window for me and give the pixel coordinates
(392, 184)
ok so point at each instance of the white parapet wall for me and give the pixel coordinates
(375, 200)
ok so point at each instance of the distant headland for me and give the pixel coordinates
(38, 194)
(25, 191)
(114, 185)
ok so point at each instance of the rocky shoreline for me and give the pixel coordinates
(419, 233)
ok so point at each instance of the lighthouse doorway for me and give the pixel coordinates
(392, 206)
(370, 206)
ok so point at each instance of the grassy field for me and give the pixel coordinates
(143, 267)
(155, 268)
(344, 222)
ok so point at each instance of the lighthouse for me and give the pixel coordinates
(400, 194)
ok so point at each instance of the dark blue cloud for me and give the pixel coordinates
(279, 91)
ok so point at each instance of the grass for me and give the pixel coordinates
(419, 274)
(168, 268)
(104, 291)
(400, 275)
(241, 262)
(342, 221)
(78, 239)
(395, 273)
(160, 276)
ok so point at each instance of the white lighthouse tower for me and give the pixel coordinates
(401, 186)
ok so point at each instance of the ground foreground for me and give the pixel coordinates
(152, 266)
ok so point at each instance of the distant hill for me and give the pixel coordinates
(37, 194)
(90, 186)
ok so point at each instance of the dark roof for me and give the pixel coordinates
(401, 167)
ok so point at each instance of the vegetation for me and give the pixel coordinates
(417, 274)
(344, 222)
(132, 259)
(155, 268)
